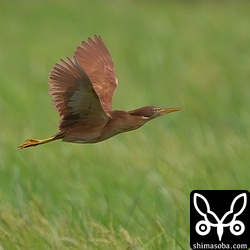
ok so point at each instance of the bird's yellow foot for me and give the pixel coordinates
(29, 143)
(34, 142)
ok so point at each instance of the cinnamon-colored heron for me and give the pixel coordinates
(82, 89)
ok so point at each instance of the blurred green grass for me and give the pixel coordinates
(132, 191)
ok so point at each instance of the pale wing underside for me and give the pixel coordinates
(95, 59)
(73, 94)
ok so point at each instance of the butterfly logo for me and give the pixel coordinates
(229, 219)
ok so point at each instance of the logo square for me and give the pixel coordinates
(219, 219)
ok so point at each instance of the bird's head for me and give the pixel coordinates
(148, 113)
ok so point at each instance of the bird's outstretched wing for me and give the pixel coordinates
(95, 59)
(73, 94)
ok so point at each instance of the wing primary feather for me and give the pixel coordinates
(72, 92)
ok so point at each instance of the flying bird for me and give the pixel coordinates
(82, 89)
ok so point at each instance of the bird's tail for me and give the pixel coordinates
(34, 142)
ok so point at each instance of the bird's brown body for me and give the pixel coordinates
(82, 90)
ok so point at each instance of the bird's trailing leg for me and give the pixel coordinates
(34, 142)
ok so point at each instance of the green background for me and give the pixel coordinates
(131, 191)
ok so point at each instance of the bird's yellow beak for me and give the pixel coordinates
(164, 111)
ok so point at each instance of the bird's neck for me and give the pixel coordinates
(122, 121)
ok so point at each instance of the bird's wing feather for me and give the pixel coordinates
(72, 92)
(95, 59)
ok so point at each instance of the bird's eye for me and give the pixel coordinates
(155, 110)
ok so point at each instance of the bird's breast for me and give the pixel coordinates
(85, 131)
